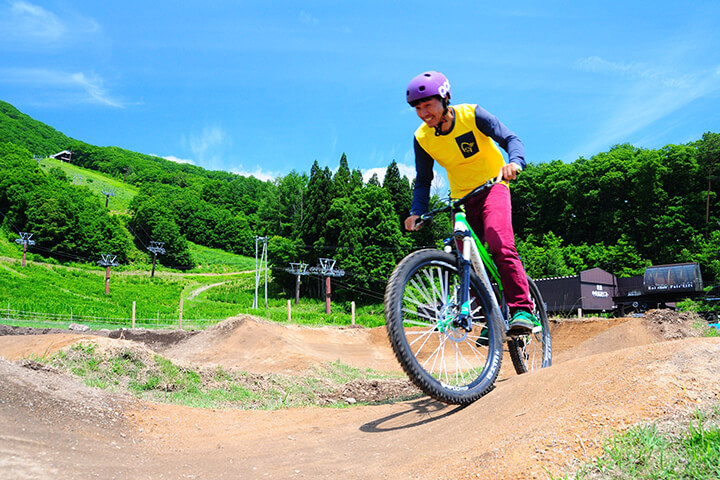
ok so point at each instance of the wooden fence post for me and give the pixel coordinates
(133, 315)
(289, 311)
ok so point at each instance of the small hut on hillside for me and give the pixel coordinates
(64, 156)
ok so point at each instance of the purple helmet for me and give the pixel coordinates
(428, 84)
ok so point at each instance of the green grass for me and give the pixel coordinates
(153, 377)
(80, 292)
(97, 182)
(685, 448)
(214, 260)
(76, 294)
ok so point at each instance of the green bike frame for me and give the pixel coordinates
(476, 255)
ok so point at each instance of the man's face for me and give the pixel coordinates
(430, 111)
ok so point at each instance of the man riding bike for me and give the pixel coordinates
(460, 138)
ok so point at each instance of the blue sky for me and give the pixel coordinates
(267, 87)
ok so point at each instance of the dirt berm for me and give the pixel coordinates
(606, 376)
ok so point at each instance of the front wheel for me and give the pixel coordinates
(433, 344)
(533, 351)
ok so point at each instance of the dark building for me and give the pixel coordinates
(591, 290)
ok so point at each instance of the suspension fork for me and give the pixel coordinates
(462, 234)
(473, 259)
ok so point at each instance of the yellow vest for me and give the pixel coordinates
(469, 156)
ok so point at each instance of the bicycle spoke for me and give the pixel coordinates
(436, 346)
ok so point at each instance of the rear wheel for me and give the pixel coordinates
(533, 351)
(439, 354)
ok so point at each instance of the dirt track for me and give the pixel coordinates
(606, 376)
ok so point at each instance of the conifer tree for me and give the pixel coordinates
(398, 189)
(319, 198)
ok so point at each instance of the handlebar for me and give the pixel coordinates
(454, 204)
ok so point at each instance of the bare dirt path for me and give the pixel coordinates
(198, 291)
(607, 375)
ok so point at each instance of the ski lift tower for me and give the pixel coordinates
(297, 269)
(157, 248)
(25, 241)
(107, 262)
(327, 269)
(259, 267)
(108, 194)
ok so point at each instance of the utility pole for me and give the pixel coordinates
(328, 270)
(156, 248)
(25, 241)
(711, 177)
(108, 194)
(107, 262)
(259, 267)
(297, 269)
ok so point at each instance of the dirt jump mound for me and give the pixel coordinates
(258, 346)
(607, 375)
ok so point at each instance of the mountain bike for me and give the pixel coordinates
(447, 317)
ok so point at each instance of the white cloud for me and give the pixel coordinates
(63, 87)
(307, 18)
(649, 93)
(380, 172)
(24, 25)
(32, 23)
(93, 85)
(209, 146)
(637, 71)
(600, 65)
(258, 173)
(438, 184)
(178, 160)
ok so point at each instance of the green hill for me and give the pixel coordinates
(21, 129)
(176, 203)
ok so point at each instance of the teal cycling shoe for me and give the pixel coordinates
(522, 323)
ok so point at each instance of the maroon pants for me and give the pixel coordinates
(490, 216)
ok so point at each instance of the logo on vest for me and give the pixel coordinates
(468, 145)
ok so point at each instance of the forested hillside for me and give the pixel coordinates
(38, 138)
(622, 209)
(619, 210)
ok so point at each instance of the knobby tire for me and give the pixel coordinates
(443, 359)
(533, 351)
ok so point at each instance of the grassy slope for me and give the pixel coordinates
(79, 290)
(97, 183)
